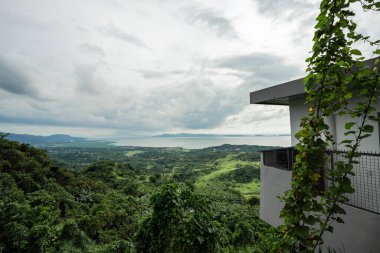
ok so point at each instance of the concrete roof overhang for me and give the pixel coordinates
(280, 94)
(283, 93)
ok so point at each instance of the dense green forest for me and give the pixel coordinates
(129, 199)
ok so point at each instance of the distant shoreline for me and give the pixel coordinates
(187, 141)
(188, 135)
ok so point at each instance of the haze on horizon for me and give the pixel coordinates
(115, 68)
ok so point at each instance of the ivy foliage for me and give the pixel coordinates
(338, 76)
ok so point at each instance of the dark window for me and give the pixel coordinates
(279, 158)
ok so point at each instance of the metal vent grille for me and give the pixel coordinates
(366, 180)
(279, 158)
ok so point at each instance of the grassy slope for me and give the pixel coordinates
(133, 152)
(216, 168)
(250, 189)
(226, 165)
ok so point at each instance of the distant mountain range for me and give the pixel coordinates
(38, 139)
(189, 135)
(67, 140)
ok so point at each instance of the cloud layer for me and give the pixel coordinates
(148, 67)
(13, 80)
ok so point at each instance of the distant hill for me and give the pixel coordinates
(188, 135)
(239, 148)
(38, 139)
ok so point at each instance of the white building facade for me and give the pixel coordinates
(361, 230)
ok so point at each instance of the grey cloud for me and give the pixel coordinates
(151, 74)
(14, 81)
(263, 69)
(286, 11)
(303, 11)
(278, 7)
(87, 79)
(178, 72)
(26, 22)
(196, 104)
(191, 104)
(212, 19)
(31, 120)
(260, 114)
(85, 47)
(199, 103)
(120, 34)
(43, 120)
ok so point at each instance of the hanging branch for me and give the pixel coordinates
(337, 72)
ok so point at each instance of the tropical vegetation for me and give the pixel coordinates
(134, 203)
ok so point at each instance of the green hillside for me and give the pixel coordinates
(105, 199)
(234, 165)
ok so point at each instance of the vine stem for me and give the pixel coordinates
(329, 91)
(350, 160)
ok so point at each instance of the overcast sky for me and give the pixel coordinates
(121, 67)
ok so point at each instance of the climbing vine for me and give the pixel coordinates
(338, 77)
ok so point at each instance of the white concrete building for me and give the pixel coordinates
(361, 230)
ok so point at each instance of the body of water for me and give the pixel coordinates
(201, 142)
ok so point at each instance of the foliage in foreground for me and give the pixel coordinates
(181, 221)
(45, 207)
(337, 73)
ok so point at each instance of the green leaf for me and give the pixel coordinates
(348, 125)
(356, 52)
(338, 209)
(349, 132)
(346, 141)
(364, 136)
(311, 220)
(374, 118)
(346, 186)
(302, 232)
(348, 95)
(367, 129)
(339, 220)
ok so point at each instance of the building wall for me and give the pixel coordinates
(273, 183)
(371, 144)
(298, 109)
(359, 233)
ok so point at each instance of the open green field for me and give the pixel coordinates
(225, 166)
(234, 167)
(249, 189)
(133, 152)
